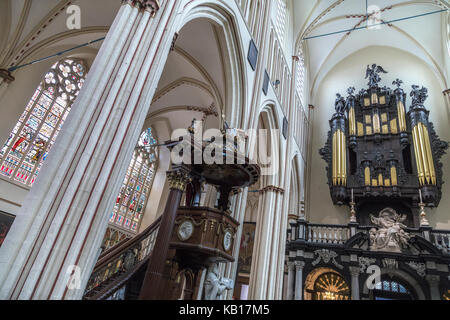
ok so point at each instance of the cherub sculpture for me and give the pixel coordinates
(390, 235)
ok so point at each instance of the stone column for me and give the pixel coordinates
(299, 265)
(433, 281)
(151, 286)
(260, 269)
(290, 284)
(238, 214)
(65, 213)
(354, 271)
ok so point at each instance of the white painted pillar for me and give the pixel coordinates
(299, 265)
(239, 215)
(290, 284)
(276, 248)
(261, 250)
(67, 208)
(354, 271)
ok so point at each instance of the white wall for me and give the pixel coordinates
(351, 72)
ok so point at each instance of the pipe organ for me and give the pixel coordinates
(381, 150)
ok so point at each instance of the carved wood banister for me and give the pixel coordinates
(117, 250)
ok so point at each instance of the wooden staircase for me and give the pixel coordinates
(122, 264)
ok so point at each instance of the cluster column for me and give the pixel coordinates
(55, 242)
(263, 274)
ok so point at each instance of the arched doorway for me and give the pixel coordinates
(326, 284)
(392, 289)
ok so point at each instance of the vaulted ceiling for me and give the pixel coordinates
(193, 78)
(422, 36)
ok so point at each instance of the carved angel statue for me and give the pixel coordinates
(214, 285)
(373, 74)
(390, 235)
(350, 102)
(418, 95)
(339, 104)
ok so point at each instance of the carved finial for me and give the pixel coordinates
(397, 82)
(191, 128)
(351, 90)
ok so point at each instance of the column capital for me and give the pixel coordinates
(178, 179)
(290, 265)
(6, 75)
(299, 265)
(354, 270)
(149, 5)
(433, 278)
(446, 92)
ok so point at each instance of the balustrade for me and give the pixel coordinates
(122, 258)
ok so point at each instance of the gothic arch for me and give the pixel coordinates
(407, 278)
(230, 42)
(269, 119)
(311, 278)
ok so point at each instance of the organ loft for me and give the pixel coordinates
(382, 152)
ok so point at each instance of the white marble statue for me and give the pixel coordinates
(214, 285)
(390, 236)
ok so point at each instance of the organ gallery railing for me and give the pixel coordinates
(339, 234)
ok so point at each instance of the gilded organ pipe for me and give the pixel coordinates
(419, 163)
(401, 116)
(424, 156)
(352, 122)
(429, 154)
(339, 158)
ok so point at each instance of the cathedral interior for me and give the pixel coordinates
(224, 150)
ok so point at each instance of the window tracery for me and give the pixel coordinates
(34, 134)
(130, 203)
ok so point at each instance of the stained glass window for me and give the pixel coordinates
(30, 141)
(132, 199)
(281, 19)
(391, 290)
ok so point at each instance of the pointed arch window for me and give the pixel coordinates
(130, 204)
(300, 77)
(29, 143)
(281, 20)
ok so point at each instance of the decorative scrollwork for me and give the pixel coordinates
(420, 268)
(326, 256)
